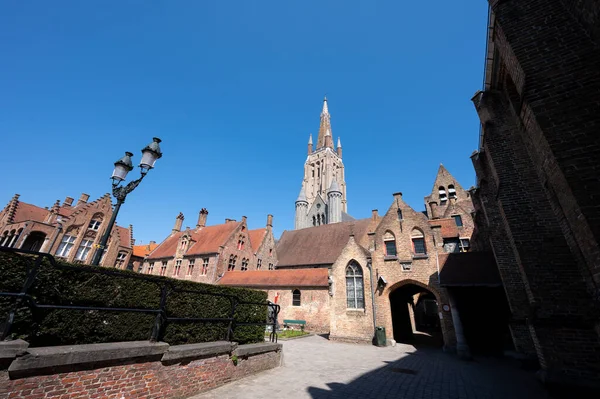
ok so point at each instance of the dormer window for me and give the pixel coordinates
(95, 224)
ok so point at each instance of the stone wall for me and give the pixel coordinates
(128, 369)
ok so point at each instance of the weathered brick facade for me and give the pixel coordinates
(70, 232)
(537, 169)
(314, 306)
(206, 253)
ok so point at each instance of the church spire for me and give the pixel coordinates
(324, 127)
(310, 144)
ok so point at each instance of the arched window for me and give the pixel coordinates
(451, 191)
(443, 197)
(244, 264)
(314, 220)
(418, 241)
(389, 240)
(354, 287)
(296, 298)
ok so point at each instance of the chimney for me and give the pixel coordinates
(244, 218)
(434, 210)
(178, 222)
(269, 220)
(227, 220)
(68, 201)
(83, 199)
(202, 218)
(375, 214)
(152, 242)
(397, 195)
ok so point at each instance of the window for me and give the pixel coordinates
(191, 267)
(177, 268)
(270, 251)
(354, 287)
(65, 246)
(451, 191)
(231, 266)
(258, 264)
(163, 269)
(241, 243)
(151, 268)
(458, 220)
(390, 244)
(418, 241)
(314, 221)
(451, 245)
(204, 266)
(95, 224)
(120, 259)
(244, 264)
(465, 245)
(270, 266)
(296, 296)
(443, 197)
(84, 249)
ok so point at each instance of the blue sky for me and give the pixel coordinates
(233, 88)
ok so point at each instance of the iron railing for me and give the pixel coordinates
(167, 287)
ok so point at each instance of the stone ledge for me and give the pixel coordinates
(55, 359)
(195, 351)
(10, 350)
(255, 349)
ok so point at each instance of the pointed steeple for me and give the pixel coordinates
(324, 127)
(334, 188)
(325, 109)
(339, 147)
(328, 139)
(302, 195)
(339, 143)
(310, 139)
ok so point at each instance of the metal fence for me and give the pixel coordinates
(35, 260)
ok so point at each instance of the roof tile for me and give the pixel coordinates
(277, 278)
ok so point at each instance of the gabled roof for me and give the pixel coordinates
(31, 212)
(206, 240)
(256, 237)
(469, 269)
(277, 278)
(448, 227)
(320, 245)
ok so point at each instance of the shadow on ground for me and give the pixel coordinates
(426, 373)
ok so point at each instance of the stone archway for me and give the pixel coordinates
(34, 241)
(415, 313)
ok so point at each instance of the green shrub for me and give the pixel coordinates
(78, 285)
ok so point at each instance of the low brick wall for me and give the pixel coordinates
(128, 370)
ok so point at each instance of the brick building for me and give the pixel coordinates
(537, 179)
(205, 253)
(140, 252)
(70, 232)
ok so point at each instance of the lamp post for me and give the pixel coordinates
(150, 154)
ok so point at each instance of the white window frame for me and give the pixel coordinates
(66, 244)
(84, 249)
(95, 224)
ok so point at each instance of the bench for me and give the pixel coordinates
(301, 323)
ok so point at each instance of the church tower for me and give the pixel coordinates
(323, 193)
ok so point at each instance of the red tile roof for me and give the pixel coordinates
(207, 240)
(448, 227)
(277, 278)
(256, 237)
(320, 245)
(468, 269)
(142, 251)
(27, 211)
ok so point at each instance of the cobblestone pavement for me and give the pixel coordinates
(317, 368)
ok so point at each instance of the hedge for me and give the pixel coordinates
(78, 285)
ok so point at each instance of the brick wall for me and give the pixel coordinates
(145, 378)
(314, 307)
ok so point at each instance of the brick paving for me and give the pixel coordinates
(317, 368)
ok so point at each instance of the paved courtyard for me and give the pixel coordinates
(317, 368)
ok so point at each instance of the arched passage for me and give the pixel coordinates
(34, 241)
(415, 314)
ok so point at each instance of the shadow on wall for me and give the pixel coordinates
(429, 373)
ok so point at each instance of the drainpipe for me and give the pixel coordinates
(372, 297)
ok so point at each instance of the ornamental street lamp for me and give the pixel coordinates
(123, 166)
